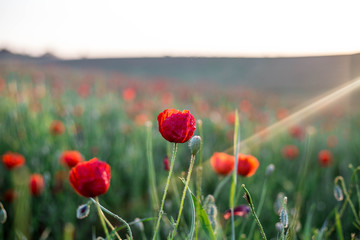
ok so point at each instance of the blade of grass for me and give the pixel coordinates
(338, 226)
(234, 175)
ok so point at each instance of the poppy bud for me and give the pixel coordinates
(83, 211)
(269, 169)
(176, 126)
(194, 144)
(338, 194)
(91, 178)
(3, 214)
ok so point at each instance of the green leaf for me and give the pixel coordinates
(204, 219)
(338, 226)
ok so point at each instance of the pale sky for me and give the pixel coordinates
(110, 28)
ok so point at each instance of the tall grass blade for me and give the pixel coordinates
(338, 226)
(234, 175)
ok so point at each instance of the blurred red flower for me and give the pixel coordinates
(247, 165)
(70, 158)
(230, 118)
(325, 158)
(84, 90)
(222, 163)
(296, 132)
(57, 127)
(10, 195)
(290, 151)
(36, 184)
(13, 160)
(241, 211)
(91, 178)
(166, 164)
(128, 94)
(281, 113)
(176, 126)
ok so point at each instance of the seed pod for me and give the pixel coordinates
(279, 227)
(284, 218)
(338, 194)
(194, 144)
(83, 211)
(269, 169)
(3, 214)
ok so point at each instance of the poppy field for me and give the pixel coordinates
(91, 154)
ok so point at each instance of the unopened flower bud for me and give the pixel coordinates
(270, 169)
(194, 144)
(3, 215)
(338, 194)
(83, 211)
(139, 224)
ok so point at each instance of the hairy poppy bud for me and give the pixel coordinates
(176, 126)
(3, 215)
(91, 178)
(194, 144)
(83, 211)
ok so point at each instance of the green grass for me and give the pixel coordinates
(105, 126)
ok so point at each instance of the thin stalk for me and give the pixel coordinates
(258, 212)
(165, 191)
(114, 215)
(108, 222)
(234, 175)
(199, 179)
(151, 171)
(102, 219)
(192, 160)
(250, 202)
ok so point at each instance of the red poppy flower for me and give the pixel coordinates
(10, 195)
(36, 184)
(241, 211)
(166, 164)
(176, 126)
(297, 132)
(57, 127)
(325, 158)
(91, 178)
(222, 163)
(13, 160)
(290, 151)
(71, 158)
(247, 165)
(128, 94)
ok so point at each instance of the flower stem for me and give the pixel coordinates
(107, 221)
(165, 191)
(192, 160)
(115, 216)
(249, 199)
(101, 218)
(199, 179)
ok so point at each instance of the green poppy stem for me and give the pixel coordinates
(161, 212)
(192, 161)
